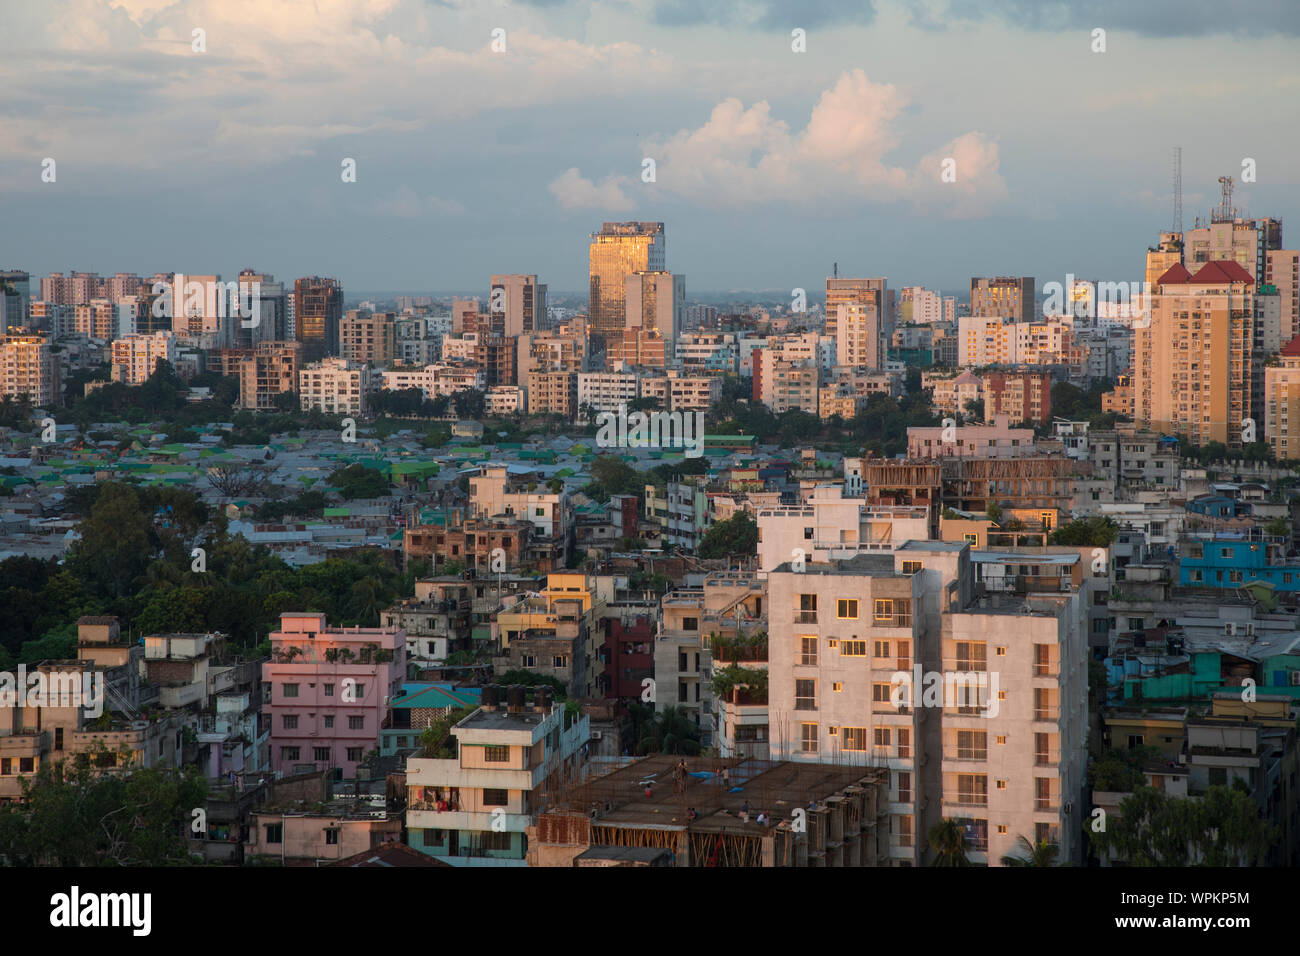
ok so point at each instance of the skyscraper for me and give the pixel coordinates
(517, 305)
(868, 292)
(318, 310)
(1004, 296)
(1192, 361)
(616, 252)
(656, 300)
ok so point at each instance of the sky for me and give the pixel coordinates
(493, 137)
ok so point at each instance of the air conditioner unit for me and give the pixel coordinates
(597, 734)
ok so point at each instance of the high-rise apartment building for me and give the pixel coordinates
(859, 336)
(1255, 245)
(28, 368)
(97, 320)
(267, 371)
(136, 356)
(1192, 365)
(318, 313)
(976, 705)
(1004, 297)
(616, 252)
(655, 301)
(873, 293)
(15, 298)
(917, 304)
(368, 336)
(517, 304)
(335, 386)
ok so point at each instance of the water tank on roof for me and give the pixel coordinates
(491, 697)
(516, 697)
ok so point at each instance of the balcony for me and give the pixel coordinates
(805, 617)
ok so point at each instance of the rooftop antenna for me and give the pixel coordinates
(1178, 190)
(836, 268)
(1226, 211)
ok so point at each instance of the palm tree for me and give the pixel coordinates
(1032, 854)
(671, 732)
(948, 841)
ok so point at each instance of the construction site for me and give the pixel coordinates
(712, 812)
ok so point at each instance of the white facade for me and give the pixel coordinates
(136, 356)
(335, 386)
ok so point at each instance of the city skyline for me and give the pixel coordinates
(831, 155)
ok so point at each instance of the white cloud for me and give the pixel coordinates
(573, 191)
(741, 156)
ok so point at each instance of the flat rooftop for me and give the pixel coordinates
(772, 787)
(873, 565)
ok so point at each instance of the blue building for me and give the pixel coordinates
(1229, 562)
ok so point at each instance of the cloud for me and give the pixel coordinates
(744, 155)
(573, 191)
(1153, 18)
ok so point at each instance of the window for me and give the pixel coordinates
(1001, 739)
(973, 539)
(329, 723)
(1043, 793)
(838, 686)
(331, 836)
(26, 764)
(354, 754)
(275, 833)
(972, 745)
(905, 788)
(290, 753)
(1002, 652)
(808, 738)
(329, 690)
(880, 693)
(1135, 740)
(356, 723)
(853, 648)
(973, 789)
(807, 613)
(1001, 784)
(290, 690)
(832, 644)
(808, 651)
(1042, 660)
(496, 754)
(807, 534)
(853, 738)
(881, 738)
(972, 656)
(846, 609)
(290, 721)
(690, 624)
(805, 695)
(496, 798)
(911, 567)
(881, 649)
(904, 742)
(320, 754)
(359, 691)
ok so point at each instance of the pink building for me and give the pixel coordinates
(326, 691)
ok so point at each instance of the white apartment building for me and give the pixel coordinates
(606, 391)
(506, 400)
(783, 385)
(919, 305)
(678, 392)
(1005, 744)
(833, 525)
(859, 339)
(134, 357)
(474, 809)
(951, 392)
(335, 386)
(437, 379)
(711, 350)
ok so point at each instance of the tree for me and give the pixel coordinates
(470, 403)
(1222, 828)
(737, 535)
(948, 841)
(73, 815)
(117, 541)
(1278, 527)
(358, 481)
(242, 479)
(975, 409)
(1096, 532)
(671, 731)
(1041, 853)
